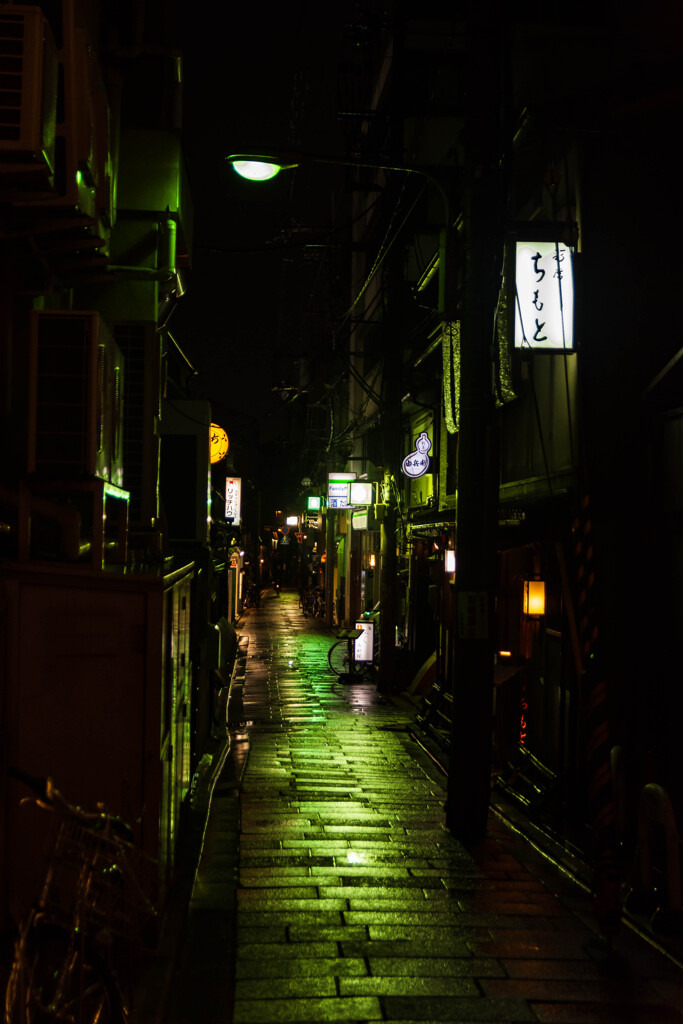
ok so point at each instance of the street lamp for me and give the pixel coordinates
(258, 168)
(266, 166)
(476, 505)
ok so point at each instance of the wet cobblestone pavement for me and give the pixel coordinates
(330, 890)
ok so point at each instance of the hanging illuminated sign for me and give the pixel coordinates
(364, 645)
(338, 486)
(338, 494)
(359, 519)
(233, 499)
(417, 463)
(218, 443)
(544, 300)
(361, 493)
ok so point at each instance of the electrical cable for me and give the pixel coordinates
(385, 247)
(272, 249)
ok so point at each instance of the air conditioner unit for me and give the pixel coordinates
(82, 180)
(75, 426)
(28, 98)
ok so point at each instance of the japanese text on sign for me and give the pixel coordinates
(338, 494)
(544, 301)
(417, 463)
(233, 499)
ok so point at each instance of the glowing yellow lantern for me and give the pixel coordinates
(534, 597)
(218, 443)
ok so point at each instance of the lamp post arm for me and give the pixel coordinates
(286, 160)
(403, 168)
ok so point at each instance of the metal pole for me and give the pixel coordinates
(387, 600)
(469, 780)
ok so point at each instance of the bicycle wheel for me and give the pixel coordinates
(53, 978)
(338, 658)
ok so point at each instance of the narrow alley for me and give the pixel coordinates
(329, 889)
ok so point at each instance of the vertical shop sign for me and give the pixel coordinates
(544, 299)
(233, 499)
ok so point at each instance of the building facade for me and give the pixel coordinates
(463, 255)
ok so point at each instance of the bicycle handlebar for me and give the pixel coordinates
(48, 793)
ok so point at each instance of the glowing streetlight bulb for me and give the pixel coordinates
(256, 170)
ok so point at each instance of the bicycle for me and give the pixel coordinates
(341, 657)
(319, 603)
(307, 603)
(91, 896)
(252, 597)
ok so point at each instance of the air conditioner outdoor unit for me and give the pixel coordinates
(75, 397)
(28, 98)
(83, 173)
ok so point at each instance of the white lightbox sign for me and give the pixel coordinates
(338, 493)
(544, 303)
(361, 493)
(359, 519)
(417, 463)
(233, 499)
(363, 646)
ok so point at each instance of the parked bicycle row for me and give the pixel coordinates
(312, 602)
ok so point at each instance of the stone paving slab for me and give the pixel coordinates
(349, 900)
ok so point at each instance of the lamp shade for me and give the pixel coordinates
(534, 597)
(256, 170)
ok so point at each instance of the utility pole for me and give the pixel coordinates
(391, 427)
(469, 780)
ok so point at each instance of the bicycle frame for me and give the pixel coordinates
(90, 896)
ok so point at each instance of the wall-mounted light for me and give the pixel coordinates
(449, 560)
(534, 597)
(373, 561)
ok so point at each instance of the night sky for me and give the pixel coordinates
(262, 77)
